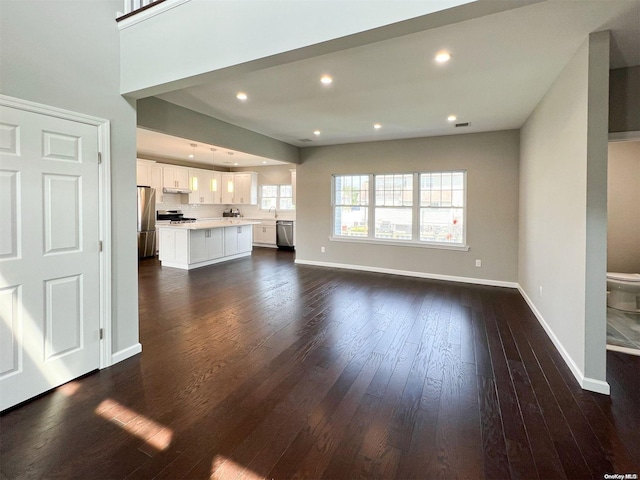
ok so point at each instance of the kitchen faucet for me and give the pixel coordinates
(275, 212)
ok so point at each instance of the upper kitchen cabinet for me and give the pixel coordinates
(175, 178)
(228, 187)
(216, 187)
(201, 184)
(245, 188)
(149, 174)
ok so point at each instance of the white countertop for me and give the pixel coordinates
(203, 225)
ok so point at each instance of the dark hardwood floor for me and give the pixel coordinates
(259, 368)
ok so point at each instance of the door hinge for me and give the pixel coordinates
(101, 333)
(100, 245)
(99, 157)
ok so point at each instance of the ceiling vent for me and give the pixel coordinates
(464, 124)
(305, 140)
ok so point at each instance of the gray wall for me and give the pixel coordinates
(562, 259)
(623, 234)
(624, 99)
(66, 54)
(161, 116)
(491, 161)
(268, 175)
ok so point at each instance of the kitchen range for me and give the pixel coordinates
(172, 217)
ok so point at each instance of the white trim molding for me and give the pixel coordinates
(585, 383)
(627, 350)
(408, 273)
(125, 353)
(148, 13)
(104, 180)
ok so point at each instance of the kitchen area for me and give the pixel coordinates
(200, 204)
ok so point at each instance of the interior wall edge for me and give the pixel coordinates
(586, 383)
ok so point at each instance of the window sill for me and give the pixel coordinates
(399, 243)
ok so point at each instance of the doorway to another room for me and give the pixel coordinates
(623, 247)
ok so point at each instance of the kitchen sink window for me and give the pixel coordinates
(419, 209)
(278, 197)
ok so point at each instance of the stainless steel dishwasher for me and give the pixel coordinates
(284, 234)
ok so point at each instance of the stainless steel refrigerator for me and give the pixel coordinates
(146, 222)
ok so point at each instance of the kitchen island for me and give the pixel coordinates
(194, 245)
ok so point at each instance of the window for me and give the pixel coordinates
(442, 207)
(351, 210)
(413, 208)
(276, 196)
(394, 206)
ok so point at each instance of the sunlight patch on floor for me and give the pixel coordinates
(156, 437)
(223, 468)
(69, 389)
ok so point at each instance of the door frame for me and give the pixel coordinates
(104, 194)
(617, 137)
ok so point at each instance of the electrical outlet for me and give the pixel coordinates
(478, 263)
(322, 250)
(541, 290)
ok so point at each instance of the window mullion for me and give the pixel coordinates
(371, 212)
(415, 230)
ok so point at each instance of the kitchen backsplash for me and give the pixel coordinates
(172, 202)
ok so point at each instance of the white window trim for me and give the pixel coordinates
(401, 243)
(464, 247)
(277, 197)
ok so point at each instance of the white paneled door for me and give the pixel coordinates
(49, 253)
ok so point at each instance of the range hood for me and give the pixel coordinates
(175, 190)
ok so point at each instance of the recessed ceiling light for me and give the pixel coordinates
(377, 126)
(236, 164)
(326, 80)
(241, 96)
(452, 118)
(264, 162)
(316, 132)
(443, 57)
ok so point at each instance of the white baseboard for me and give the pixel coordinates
(126, 353)
(627, 350)
(408, 273)
(597, 386)
(586, 383)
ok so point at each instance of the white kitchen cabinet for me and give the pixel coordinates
(174, 176)
(156, 181)
(238, 239)
(205, 245)
(200, 183)
(245, 239)
(264, 235)
(216, 187)
(143, 173)
(245, 188)
(227, 185)
(173, 245)
(149, 173)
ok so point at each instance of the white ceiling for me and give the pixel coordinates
(156, 145)
(501, 66)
